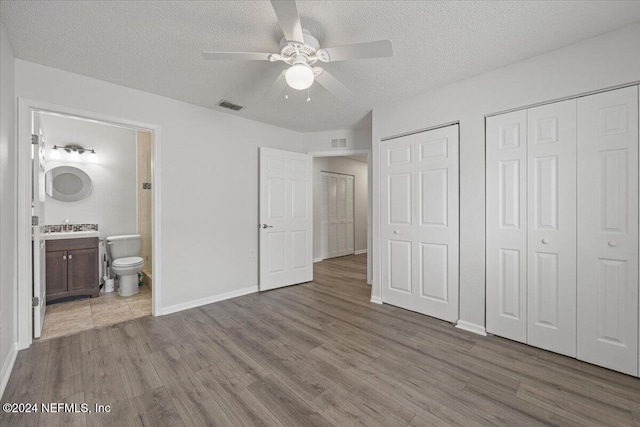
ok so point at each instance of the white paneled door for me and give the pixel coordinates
(37, 207)
(506, 250)
(608, 229)
(551, 234)
(337, 221)
(286, 220)
(419, 213)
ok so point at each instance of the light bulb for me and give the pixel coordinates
(299, 76)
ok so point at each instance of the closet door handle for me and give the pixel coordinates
(396, 231)
(64, 257)
(612, 244)
(70, 256)
(545, 241)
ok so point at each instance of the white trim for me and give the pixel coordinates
(8, 367)
(209, 300)
(25, 108)
(376, 300)
(471, 327)
(339, 153)
(360, 252)
(318, 260)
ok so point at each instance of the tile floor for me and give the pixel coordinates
(71, 317)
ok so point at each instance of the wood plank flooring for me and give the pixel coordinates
(312, 354)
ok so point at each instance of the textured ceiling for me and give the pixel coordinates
(156, 46)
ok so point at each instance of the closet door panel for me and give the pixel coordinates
(397, 221)
(419, 213)
(506, 251)
(337, 221)
(324, 216)
(349, 221)
(436, 212)
(551, 229)
(608, 229)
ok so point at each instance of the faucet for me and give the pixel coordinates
(66, 225)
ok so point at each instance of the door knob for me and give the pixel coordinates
(612, 244)
(396, 231)
(545, 241)
(266, 226)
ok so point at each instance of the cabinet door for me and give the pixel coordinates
(83, 269)
(551, 229)
(56, 268)
(608, 229)
(507, 225)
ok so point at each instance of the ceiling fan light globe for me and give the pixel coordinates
(299, 76)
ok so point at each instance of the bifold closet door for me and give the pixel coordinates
(608, 229)
(419, 215)
(337, 221)
(506, 251)
(551, 229)
(531, 231)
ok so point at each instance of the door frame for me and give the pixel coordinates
(25, 108)
(351, 152)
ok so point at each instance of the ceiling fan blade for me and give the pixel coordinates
(276, 88)
(379, 49)
(289, 20)
(243, 56)
(332, 84)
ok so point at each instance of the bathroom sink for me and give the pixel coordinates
(69, 235)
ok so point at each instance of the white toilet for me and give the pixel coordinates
(126, 263)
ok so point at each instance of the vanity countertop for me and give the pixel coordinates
(69, 235)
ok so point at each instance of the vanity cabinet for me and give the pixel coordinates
(72, 268)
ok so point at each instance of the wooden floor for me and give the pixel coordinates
(313, 354)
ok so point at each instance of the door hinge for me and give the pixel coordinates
(35, 301)
(34, 139)
(35, 220)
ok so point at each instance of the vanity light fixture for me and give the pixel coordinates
(74, 149)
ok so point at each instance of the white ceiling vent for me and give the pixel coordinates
(339, 143)
(229, 105)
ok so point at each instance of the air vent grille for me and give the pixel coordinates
(339, 143)
(229, 105)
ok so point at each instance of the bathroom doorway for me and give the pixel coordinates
(97, 183)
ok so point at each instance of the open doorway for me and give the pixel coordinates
(32, 244)
(341, 213)
(93, 266)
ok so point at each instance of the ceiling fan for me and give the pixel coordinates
(300, 50)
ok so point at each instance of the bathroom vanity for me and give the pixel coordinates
(72, 265)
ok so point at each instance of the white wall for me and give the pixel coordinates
(357, 139)
(8, 236)
(209, 173)
(112, 202)
(349, 167)
(605, 61)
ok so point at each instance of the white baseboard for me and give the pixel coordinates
(472, 327)
(7, 367)
(376, 300)
(360, 251)
(317, 260)
(208, 300)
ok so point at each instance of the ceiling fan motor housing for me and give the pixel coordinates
(309, 48)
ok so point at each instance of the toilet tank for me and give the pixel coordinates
(123, 246)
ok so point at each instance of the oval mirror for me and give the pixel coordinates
(67, 184)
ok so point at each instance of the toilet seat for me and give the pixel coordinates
(133, 261)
